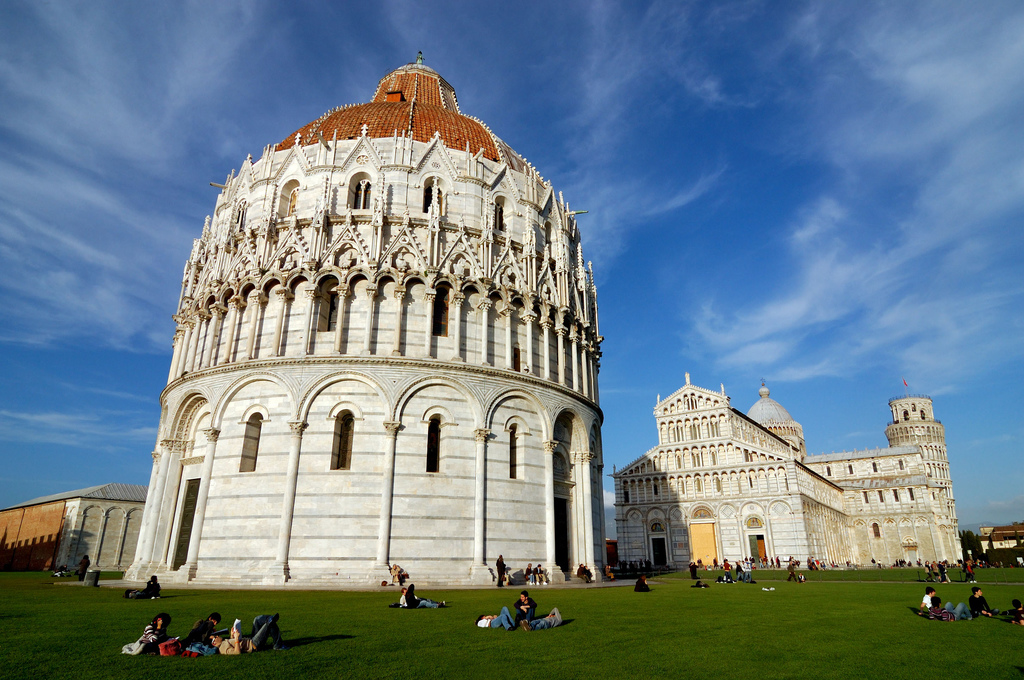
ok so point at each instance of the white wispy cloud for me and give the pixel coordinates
(97, 430)
(905, 104)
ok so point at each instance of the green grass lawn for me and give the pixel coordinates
(814, 630)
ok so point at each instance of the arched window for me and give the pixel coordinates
(718, 484)
(693, 432)
(240, 223)
(341, 454)
(440, 317)
(517, 363)
(499, 214)
(874, 467)
(293, 201)
(657, 527)
(512, 452)
(655, 488)
(430, 188)
(876, 530)
(625, 495)
(251, 443)
(332, 310)
(923, 417)
(697, 485)
(434, 445)
(906, 415)
(362, 197)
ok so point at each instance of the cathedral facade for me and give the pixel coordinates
(387, 350)
(722, 484)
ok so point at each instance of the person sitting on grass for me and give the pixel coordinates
(150, 592)
(525, 607)
(641, 585)
(978, 605)
(1017, 613)
(410, 601)
(937, 612)
(550, 621)
(502, 620)
(152, 636)
(264, 630)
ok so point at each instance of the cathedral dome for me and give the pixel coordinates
(412, 101)
(767, 410)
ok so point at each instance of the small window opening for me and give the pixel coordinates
(881, 496)
(332, 311)
(625, 495)
(911, 492)
(866, 497)
(434, 445)
(293, 201)
(251, 443)
(440, 320)
(849, 469)
(516, 360)
(395, 97)
(363, 194)
(896, 495)
(344, 428)
(901, 464)
(874, 467)
(876, 530)
(512, 453)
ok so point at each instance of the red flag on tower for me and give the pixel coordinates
(905, 383)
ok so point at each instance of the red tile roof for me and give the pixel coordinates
(430, 106)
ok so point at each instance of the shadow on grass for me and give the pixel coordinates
(301, 642)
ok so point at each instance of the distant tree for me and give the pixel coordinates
(970, 541)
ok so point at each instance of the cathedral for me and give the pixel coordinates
(722, 484)
(387, 350)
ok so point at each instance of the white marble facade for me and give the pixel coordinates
(722, 484)
(387, 351)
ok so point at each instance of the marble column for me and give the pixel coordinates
(236, 304)
(339, 326)
(528, 319)
(283, 309)
(574, 356)
(560, 332)
(258, 304)
(584, 459)
(456, 314)
(149, 511)
(545, 325)
(396, 344)
(584, 371)
(182, 335)
(428, 308)
(192, 559)
(507, 315)
(387, 492)
(202, 321)
(371, 295)
(549, 504)
(284, 535)
(484, 307)
(481, 491)
(312, 295)
(213, 334)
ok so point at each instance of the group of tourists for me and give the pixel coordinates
(525, 617)
(150, 592)
(410, 600)
(976, 607)
(205, 640)
(533, 575)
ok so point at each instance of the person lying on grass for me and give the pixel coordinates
(550, 621)
(152, 636)
(202, 631)
(410, 601)
(264, 631)
(502, 620)
(1017, 613)
(949, 612)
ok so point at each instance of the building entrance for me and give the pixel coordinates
(757, 547)
(658, 551)
(188, 514)
(702, 543)
(562, 533)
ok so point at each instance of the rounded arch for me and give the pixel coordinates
(187, 411)
(495, 403)
(314, 390)
(252, 410)
(410, 390)
(239, 384)
(702, 512)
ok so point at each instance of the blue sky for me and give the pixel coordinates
(827, 195)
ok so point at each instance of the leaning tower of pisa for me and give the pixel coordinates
(914, 424)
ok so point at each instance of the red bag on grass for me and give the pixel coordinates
(171, 647)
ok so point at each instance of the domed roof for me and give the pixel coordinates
(414, 101)
(767, 410)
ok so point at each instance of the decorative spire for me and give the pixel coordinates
(419, 57)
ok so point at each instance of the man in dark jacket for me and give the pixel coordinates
(202, 631)
(83, 567)
(978, 604)
(525, 607)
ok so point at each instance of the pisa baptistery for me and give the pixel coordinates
(387, 351)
